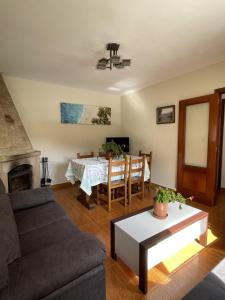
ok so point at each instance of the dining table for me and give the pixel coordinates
(93, 171)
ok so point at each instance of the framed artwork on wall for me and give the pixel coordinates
(85, 114)
(165, 114)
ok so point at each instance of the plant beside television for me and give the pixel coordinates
(111, 149)
(162, 198)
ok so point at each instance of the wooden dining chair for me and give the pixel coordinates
(108, 192)
(136, 165)
(86, 155)
(149, 161)
(101, 154)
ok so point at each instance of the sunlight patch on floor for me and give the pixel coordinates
(170, 264)
(173, 262)
(211, 237)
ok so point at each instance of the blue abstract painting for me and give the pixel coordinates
(85, 114)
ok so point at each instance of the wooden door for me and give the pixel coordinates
(198, 135)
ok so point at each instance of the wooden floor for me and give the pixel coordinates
(171, 279)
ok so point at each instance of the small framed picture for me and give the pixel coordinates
(165, 114)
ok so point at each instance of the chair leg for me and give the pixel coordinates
(109, 200)
(146, 184)
(129, 193)
(125, 195)
(142, 190)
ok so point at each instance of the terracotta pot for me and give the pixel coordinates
(109, 154)
(160, 210)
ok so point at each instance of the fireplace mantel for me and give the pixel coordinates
(7, 158)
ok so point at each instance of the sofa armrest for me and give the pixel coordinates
(30, 198)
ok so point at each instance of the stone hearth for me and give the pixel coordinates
(15, 146)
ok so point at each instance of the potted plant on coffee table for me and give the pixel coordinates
(111, 149)
(163, 197)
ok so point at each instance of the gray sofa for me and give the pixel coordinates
(43, 255)
(212, 287)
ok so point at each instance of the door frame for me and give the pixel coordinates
(220, 92)
(210, 197)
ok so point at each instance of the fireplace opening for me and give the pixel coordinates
(20, 178)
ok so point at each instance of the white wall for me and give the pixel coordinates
(139, 117)
(38, 105)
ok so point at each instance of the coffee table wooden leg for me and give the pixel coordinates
(112, 233)
(143, 269)
(203, 237)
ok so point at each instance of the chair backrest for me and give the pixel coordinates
(137, 165)
(148, 157)
(122, 166)
(101, 154)
(85, 155)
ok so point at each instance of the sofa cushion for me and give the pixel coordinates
(9, 240)
(45, 236)
(212, 286)
(217, 275)
(30, 198)
(215, 280)
(38, 216)
(4, 276)
(206, 290)
(2, 187)
(54, 266)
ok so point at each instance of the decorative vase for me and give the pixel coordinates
(109, 154)
(160, 210)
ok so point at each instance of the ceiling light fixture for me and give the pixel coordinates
(113, 60)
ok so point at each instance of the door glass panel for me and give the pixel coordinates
(196, 135)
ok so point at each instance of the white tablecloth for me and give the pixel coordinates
(93, 171)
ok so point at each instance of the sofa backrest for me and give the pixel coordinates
(2, 187)
(9, 239)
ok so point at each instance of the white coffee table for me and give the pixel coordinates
(142, 241)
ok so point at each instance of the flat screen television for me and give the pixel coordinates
(122, 141)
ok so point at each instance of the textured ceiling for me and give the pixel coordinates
(60, 41)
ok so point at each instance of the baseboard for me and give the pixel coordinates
(222, 190)
(156, 185)
(60, 186)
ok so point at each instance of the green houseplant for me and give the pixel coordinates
(111, 149)
(161, 200)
